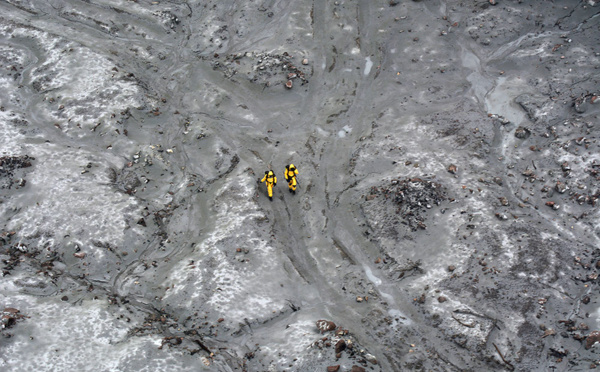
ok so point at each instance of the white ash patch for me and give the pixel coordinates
(89, 85)
(235, 289)
(62, 201)
(67, 337)
(291, 342)
(11, 136)
(467, 328)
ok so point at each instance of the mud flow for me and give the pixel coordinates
(446, 211)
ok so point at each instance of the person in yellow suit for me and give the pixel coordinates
(290, 175)
(270, 180)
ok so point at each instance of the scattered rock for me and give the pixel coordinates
(8, 166)
(451, 268)
(333, 368)
(9, 317)
(452, 168)
(356, 368)
(442, 299)
(581, 104)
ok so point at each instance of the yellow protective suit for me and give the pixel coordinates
(270, 180)
(290, 175)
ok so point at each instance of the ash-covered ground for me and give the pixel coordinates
(446, 217)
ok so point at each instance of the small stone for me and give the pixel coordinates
(289, 84)
(442, 299)
(452, 168)
(451, 268)
(583, 327)
(528, 173)
(356, 368)
(371, 358)
(333, 368)
(359, 299)
(591, 339)
(220, 320)
(340, 346)
(522, 132)
(325, 325)
(64, 298)
(305, 61)
(561, 187)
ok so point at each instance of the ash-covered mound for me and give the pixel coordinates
(268, 69)
(409, 198)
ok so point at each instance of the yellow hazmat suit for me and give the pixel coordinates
(270, 181)
(290, 175)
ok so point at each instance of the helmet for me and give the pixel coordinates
(292, 167)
